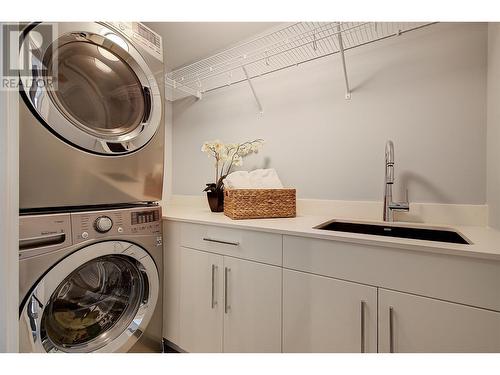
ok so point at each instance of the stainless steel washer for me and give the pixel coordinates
(91, 115)
(91, 281)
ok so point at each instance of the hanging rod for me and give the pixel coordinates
(288, 46)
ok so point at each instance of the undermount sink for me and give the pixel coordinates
(417, 233)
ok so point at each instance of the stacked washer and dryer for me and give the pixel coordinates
(91, 174)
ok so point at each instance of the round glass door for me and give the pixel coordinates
(97, 90)
(92, 88)
(94, 304)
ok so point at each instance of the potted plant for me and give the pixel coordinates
(226, 157)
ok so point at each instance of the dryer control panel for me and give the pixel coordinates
(116, 223)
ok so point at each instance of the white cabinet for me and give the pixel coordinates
(322, 314)
(201, 301)
(409, 323)
(195, 318)
(252, 318)
(237, 290)
(228, 304)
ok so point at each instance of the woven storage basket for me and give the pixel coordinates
(259, 203)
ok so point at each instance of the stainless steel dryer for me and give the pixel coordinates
(91, 281)
(91, 115)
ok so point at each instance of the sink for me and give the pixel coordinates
(388, 230)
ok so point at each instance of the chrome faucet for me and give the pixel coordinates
(389, 205)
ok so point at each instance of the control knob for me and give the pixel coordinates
(103, 224)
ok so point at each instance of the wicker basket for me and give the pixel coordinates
(259, 203)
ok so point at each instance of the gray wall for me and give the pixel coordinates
(9, 224)
(167, 177)
(493, 161)
(425, 90)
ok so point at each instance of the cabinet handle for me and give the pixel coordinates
(226, 305)
(221, 241)
(362, 318)
(391, 329)
(214, 302)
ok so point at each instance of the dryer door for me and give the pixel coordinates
(98, 299)
(91, 88)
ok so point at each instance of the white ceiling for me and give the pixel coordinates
(186, 42)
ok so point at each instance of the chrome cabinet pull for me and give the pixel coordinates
(362, 318)
(226, 305)
(221, 241)
(391, 329)
(214, 302)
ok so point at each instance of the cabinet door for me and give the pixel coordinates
(252, 317)
(201, 301)
(322, 314)
(409, 323)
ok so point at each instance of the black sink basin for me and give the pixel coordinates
(440, 235)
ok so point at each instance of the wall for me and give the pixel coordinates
(167, 178)
(493, 132)
(9, 207)
(425, 90)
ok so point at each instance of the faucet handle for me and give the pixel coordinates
(400, 206)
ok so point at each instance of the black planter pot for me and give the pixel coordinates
(216, 200)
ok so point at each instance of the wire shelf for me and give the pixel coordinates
(288, 46)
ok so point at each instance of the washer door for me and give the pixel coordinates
(98, 299)
(92, 88)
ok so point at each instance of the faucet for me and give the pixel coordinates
(389, 205)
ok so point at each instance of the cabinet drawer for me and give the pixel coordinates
(245, 244)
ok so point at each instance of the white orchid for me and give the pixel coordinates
(228, 155)
(238, 160)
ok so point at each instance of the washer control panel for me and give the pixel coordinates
(116, 223)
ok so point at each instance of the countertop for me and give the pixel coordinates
(485, 241)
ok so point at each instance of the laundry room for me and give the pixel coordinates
(181, 186)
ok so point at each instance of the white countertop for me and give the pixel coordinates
(485, 241)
